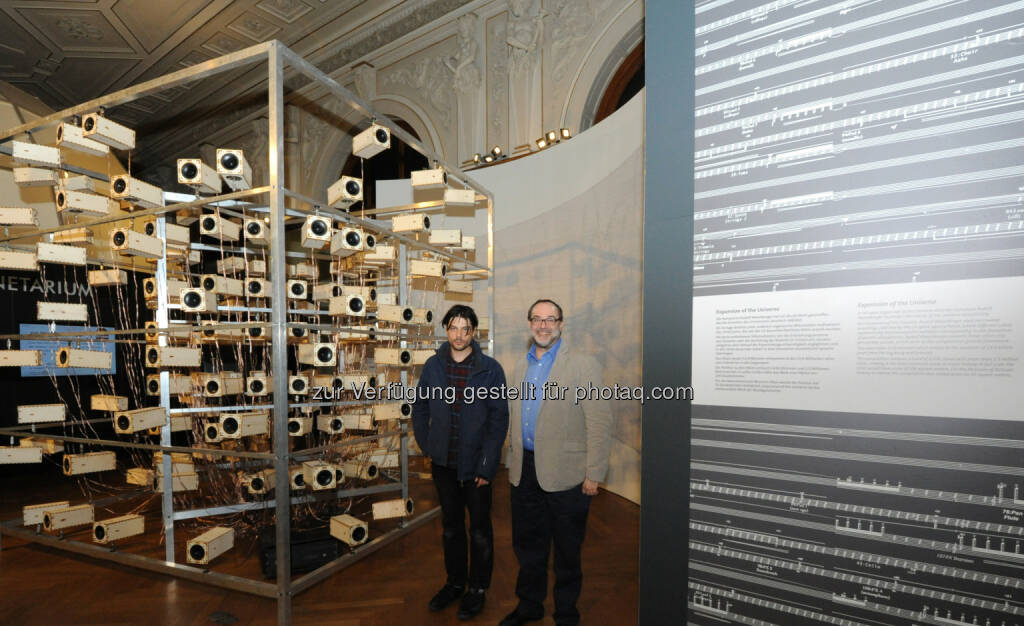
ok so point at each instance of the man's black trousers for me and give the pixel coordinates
(456, 497)
(539, 518)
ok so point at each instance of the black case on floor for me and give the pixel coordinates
(310, 549)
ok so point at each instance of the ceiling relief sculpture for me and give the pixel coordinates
(479, 73)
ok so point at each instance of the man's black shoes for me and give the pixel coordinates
(448, 594)
(515, 618)
(472, 603)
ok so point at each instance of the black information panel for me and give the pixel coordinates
(858, 429)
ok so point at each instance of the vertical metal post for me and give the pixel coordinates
(162, 321)
(490, 278)
(279, 338)
(403, 300)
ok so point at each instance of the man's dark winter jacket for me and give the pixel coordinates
(482, 423)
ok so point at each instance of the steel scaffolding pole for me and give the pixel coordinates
(279, 337)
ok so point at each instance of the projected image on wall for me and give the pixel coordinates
(858, 427)
(869, 155)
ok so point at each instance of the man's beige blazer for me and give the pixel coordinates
(571, 441)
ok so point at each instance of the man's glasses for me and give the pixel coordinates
(544, 321)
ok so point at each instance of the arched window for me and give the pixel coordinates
(398, 162)
(627, 81)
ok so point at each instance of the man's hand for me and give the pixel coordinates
(480, 482)
(589, 487)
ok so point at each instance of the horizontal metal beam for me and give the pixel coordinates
(112, 443)
(108, 553)
(270, 504)
(383, 230)
(160, 210)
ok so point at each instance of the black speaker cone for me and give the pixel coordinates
(60, 199)
(300, 480)
(151, 229)
(209, 283)
(406, 409)
(318, 228)
(407, 314)
(430, 316)
(352, 238)
(298, 384)
(358, 534)
(100, 532)
(372, 381)
(229, 425)
(356, 304)
(371, 471)
(324, 354)
(352, 188)
(256, 386)
(212, 386)
(324, 477)
(370, 241)
(405, 356)
(211, 432)
(123, 422)
(336, 291)
(209, 224)
(256, 484)
(153, 355)
(89, 124)
(197, 552)
(253, 228)
(150, 286)
(189, 170)
(426, 222)
(298, 332)
(255, 332)
(255, 286)
(294, 426)
(381, 135)
(229, 161)
(192, 299)
(120, 185)
(63, 356)
(60, 132)
(154, 386)
(119, 238)
(298, 289)
(336, 424)
(408, 507)
(208, 333)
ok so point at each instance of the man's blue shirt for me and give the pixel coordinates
(537, 372)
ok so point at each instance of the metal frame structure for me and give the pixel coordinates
(278, 58)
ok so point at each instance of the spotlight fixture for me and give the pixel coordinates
(477, 158)
(564, 133)
(551, 136)
(489, 159)
(542, 143)
(496, 151)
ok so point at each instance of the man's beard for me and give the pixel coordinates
(555, 334)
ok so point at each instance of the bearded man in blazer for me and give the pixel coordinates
(558, 454)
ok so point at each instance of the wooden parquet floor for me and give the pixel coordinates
(42, 586)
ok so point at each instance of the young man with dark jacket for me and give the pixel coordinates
(463, 439)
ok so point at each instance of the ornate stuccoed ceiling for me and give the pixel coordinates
(67, 52)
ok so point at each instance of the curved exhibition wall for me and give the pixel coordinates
(568, 226)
